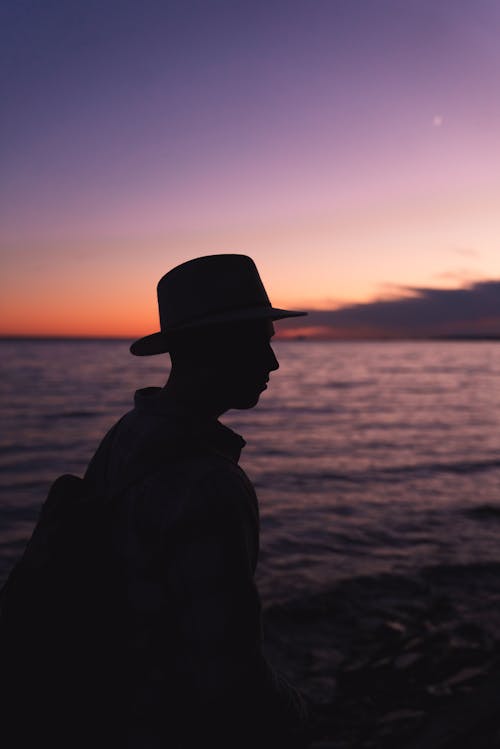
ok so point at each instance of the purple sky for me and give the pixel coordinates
(350, 147)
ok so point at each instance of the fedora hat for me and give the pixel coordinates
(208, 291)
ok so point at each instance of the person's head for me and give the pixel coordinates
(216, 323)
(227, 364)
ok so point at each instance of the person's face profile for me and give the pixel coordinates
(247, 362)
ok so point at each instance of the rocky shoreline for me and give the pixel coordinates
(397, 661)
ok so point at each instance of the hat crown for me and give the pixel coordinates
(207, 286)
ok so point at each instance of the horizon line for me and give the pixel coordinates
(20, 337)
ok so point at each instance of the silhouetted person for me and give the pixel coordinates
(186, 528)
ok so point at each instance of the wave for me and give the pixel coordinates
(417, 470)
(71, 415)
(452, 578)
(386, 474)
(468, 466)
(349, 384)
(483, 512)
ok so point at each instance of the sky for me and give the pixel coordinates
(351, 147)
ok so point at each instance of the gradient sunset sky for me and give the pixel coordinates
(351, 147)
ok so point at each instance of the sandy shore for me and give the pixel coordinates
(398, 661)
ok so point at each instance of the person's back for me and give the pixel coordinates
(185, 530)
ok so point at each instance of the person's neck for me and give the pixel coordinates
(194, 396)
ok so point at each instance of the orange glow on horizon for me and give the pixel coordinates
(325, 333)
(79, 318)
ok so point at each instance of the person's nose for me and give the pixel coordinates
(273, 362)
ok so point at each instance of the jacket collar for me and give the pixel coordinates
(189, 428)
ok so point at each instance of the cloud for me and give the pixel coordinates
(473, 310)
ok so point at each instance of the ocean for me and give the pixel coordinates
(367, 457)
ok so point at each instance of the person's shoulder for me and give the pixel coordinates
(216, 472)
(213, 484)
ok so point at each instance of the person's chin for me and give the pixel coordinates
(245, 405)
(247, 401)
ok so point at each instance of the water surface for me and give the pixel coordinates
(367, 457)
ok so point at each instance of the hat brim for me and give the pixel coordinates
(159, 343)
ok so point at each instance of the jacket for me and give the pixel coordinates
(186, 539)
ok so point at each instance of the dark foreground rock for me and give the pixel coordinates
(397, 661)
